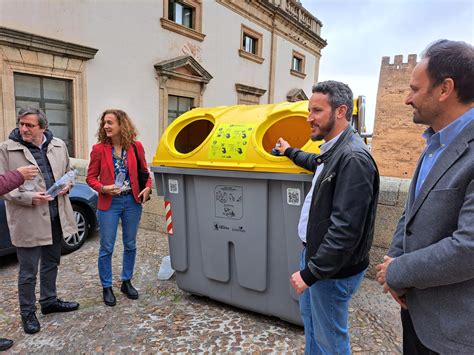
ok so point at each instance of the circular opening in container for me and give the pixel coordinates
(192, 135)
(294, 129)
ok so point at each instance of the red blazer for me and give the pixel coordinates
(101, 171)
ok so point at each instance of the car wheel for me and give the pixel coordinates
(73, 242)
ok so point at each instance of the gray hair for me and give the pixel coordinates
(338, 94)
(42, 119)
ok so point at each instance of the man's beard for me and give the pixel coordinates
(324, 130)
(417, 119)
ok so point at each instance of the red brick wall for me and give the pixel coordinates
(397, 141)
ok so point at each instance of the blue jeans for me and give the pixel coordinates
(324, 309)
(124, 208)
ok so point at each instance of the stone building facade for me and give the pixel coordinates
(153, 59)
(397, 141)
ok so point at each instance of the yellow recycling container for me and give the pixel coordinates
(232, 208)
(238, 137)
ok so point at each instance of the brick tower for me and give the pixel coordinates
(397, 141)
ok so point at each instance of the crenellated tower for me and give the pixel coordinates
(397, 141)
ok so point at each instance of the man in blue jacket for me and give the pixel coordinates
(429, 269)
(337, 219)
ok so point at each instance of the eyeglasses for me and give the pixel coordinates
(27, 125)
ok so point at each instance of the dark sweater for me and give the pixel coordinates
(42, 161)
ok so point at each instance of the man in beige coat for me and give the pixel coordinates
(36, 220)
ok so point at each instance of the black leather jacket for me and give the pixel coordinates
(342, 212)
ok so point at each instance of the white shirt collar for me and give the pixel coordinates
(327, 145)
(44, 141)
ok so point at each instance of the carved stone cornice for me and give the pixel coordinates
(193, 70)
(286, 17)
(245, 89)
(296, 95)
(20, 39)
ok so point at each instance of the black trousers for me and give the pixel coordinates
(48, 257)
(411, 343)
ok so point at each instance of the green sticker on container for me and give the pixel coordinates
(230, 141)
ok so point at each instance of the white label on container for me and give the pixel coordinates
(173, 186)
(293, 197)
(228, 201)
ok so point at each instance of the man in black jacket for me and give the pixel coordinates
(337, 219)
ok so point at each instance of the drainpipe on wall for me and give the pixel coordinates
(316, 68)
(271, 79)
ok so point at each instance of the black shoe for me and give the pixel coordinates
(30, 323)
(5, 344)
(129, 290)
(60, 306)
(109, 297)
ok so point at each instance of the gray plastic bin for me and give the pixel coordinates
(235, 235)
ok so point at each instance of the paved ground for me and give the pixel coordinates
(166, 319)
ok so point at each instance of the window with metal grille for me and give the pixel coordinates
(54, 97)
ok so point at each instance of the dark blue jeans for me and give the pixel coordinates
(126, 209)
(325, 312)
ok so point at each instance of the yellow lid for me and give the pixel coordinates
(355, 109)
(238, 137)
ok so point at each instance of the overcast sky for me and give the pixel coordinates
(360, 32)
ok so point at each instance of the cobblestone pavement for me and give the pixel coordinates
(168, 320)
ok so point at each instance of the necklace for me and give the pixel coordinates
(116, 156)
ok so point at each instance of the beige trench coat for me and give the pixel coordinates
(29, 225)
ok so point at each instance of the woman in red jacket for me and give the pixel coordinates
(113, 173)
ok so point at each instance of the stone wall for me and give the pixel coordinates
(393, 192)
(397, 141)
